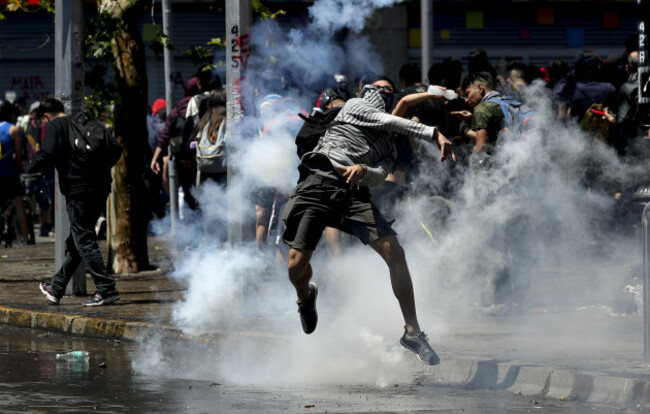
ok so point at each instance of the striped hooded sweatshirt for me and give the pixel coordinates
(361, 134)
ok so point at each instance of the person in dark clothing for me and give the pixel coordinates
(153, 181)
(85, 191)
(628, 97)
(581, 88)
(354, 154)
(175, 120)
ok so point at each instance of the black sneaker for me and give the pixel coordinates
(307, 310)
(100, 300)
(46, 289)
(420, 347)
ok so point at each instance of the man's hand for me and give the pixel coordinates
(353, 174)
(446, 148)
(155, 167)
(462, 115)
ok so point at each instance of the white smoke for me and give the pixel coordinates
(530, 206)
(452, 261)
(329, 16)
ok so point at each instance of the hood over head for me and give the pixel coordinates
(371, 94)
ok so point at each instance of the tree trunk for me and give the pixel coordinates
(127, 219)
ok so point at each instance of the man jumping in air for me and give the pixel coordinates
(355, 153)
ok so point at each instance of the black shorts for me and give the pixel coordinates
(263, 197)
(319, 201)
(11, 187)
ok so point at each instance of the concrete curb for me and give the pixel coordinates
(539, 381)
(117, 328)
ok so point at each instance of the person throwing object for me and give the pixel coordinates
(356, 152)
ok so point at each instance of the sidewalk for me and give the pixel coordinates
(589, 353)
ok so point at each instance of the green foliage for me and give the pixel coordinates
(260, 10)
(102, 94)
(159, 42)
(98, 36)
(97, 46)
(199, 55)
(23, 5)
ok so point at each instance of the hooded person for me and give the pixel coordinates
(356, 153)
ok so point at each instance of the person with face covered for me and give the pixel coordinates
(357, 152)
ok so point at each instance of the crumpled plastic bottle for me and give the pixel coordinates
(447, 94)
(74, 356)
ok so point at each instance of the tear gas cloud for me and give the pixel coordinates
(329, 16)
(534, 187)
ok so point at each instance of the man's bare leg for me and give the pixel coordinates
(21, 218)
(262, 216)
(333, 238)
(300, 271)
(413, 339)
(400, 278)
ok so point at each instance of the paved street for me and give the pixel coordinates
(573, 349)
(32, 380)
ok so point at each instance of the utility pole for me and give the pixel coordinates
(69, 89)
(644, 120)
(169, 98)
(238, 43)
(644, 62)
(426, 9)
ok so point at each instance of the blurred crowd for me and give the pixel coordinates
(598, 95)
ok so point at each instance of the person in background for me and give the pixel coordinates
(153, 182)
(11, 163)
(85, 190)
(42, 188)
(173, 130)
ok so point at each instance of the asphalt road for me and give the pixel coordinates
(33, 381)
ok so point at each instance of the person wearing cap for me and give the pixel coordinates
(153, 181)
(174, 121)
(356, 153)
(156, 123)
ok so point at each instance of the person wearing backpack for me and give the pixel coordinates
(171, 138)
(209, 141)
(209, 138)
(355, 153)
(494, 116)
(82, 152)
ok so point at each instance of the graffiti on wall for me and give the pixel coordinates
(30, 87)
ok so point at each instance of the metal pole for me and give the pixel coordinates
(238, 39)
(426, 9)
(644, 64)
(69, 89)
(646, 284)
(644, 111)
(169, 97)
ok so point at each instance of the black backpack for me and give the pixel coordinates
(313, 129)
(176, 135)
(91, 143)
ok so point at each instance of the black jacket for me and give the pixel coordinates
(74, 178)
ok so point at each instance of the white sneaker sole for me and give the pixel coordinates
(48, 296)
